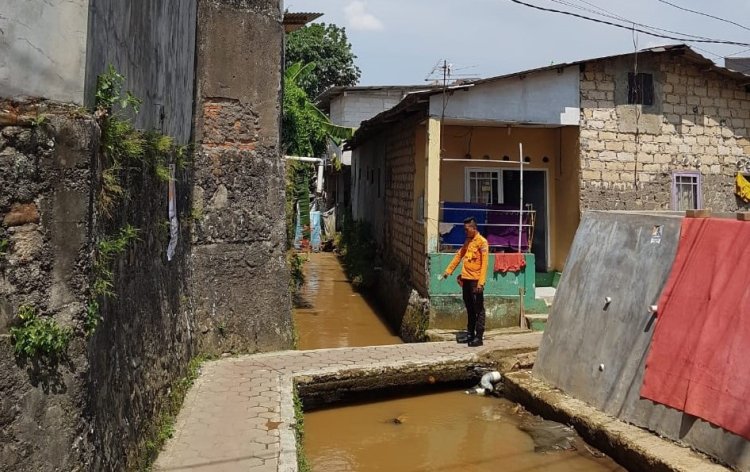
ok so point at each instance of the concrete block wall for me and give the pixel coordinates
(354, 107)
(699, 122)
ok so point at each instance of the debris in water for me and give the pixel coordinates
(548, 435)
(400, 419)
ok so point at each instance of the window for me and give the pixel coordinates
(686, 191)
(640, 89)
(483, 186)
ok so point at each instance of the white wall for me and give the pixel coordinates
(353, 107)
(43, 48)
(548, 98)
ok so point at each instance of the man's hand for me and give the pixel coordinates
(479, 289)
(443, 276)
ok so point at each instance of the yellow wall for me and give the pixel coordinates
(560, 145)
(567, 195)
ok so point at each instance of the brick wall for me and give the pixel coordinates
(699, 122)
(404, 234)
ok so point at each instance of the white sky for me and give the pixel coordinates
(400, 41)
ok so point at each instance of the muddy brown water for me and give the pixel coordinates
(336, 315)
(444, 431)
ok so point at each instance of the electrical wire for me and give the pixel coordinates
(639, 30)
(703, 14)
(614, 16)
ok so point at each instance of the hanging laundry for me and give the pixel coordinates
(743, 188)
(509, 262)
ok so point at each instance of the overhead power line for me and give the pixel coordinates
(608, 14)
(631, 28)
(704, 14)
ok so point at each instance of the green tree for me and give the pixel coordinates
(305, 131)
(329, 49)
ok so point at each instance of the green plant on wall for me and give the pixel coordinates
(38, 335)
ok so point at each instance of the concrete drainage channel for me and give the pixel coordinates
(632, 447)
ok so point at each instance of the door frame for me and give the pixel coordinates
(548, 216)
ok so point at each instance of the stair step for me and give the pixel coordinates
(536, 322)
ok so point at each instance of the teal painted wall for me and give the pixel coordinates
(498, 285)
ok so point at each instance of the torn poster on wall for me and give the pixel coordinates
(173, 223)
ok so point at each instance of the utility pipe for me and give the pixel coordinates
(319, 161)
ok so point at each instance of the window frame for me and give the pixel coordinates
(467, 182)
(637, 89)
(698, 184)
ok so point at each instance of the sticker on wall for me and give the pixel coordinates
(656, 234)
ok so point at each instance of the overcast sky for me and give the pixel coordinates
(400, 41)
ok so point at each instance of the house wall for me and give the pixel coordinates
(353, 107)
(548, 97)
(367, 205)
(567, 196)
(558, 144)
(699, 122)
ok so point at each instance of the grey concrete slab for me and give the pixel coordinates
(595, 351)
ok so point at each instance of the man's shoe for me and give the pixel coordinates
(476, 342)
(464, 338)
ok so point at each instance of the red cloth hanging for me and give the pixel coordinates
(509, 262)
(698, 358)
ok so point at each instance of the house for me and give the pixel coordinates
(350, 106)
(660, 129)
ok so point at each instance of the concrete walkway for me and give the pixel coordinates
(239, 415)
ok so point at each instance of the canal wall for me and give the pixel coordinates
(595, 351)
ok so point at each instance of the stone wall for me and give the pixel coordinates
(45, 176)
(92, 408)
(699, 122)
(240, 278)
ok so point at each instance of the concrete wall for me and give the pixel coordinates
(548, 97)
(597, 353)
(152, 43)
(240, 277)
(699, 122)
(353, 107)
(368, 191)
(43, 49)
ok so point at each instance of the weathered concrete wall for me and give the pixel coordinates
(240, 281)
(45, 176)
(43, 49)
(596, 352)
(152, 43)
(699, 122)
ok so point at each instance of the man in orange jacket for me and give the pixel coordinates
(475, 256)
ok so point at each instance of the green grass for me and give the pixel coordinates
(299, 434)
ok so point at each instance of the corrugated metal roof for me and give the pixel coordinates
(296, 20)
(422, 97)
(323, 100)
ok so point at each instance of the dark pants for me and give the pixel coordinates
(474, 308)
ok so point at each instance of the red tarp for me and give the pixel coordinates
(699, 360)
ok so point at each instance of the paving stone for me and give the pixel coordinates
(223, 425)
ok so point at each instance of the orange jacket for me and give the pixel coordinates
(475, 255)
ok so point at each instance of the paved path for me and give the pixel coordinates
(239, 415)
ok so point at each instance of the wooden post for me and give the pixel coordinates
(432, 185)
